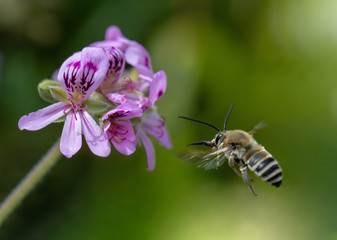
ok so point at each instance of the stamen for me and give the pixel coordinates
(114, 133)
(130, 85)
(69, 107)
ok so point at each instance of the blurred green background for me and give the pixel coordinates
(276, 60)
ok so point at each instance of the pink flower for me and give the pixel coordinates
(94, 86)
(119, 131)
(80, 75)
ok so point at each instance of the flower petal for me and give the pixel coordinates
(69, 72)
(94, 136)
(137, 56)
(113, 38)
(113, 33)
(71, 138)
(116, 97)
(157, 87)
(115, 71)
(125, 139)
(84, 71)
(149, 149)
(134, 99)
(154, 125)
(95, 64)
(43, 117)
(124, 111)
(121, 45)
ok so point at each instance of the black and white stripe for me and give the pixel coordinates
(265, 166)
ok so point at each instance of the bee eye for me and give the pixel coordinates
(232, 145)
(218, 137)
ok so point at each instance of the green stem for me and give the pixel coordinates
(29, 182)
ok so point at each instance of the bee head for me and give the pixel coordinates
(238, 138)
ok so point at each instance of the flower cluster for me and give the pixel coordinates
(96, 96)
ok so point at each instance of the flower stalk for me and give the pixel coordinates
(29, 182)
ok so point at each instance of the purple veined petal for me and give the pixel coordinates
(123, 137)
(149, 149)
(137, 56)
(124, 111)
(95, 64)
(158, 86)
(125, 130)
(94, 136)
(154, 125)
(69, 72)
(115, 71)
(43, 117)
(116, 98)
(71, 138)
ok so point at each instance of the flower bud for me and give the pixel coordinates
(51, 91)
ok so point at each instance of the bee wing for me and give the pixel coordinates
(206, 159)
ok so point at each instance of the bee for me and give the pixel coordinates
(241, 150)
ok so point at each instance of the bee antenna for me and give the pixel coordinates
(230, 109)
(208, 124)
(206, 143)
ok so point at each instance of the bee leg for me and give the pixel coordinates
(218, 158)
(217, 162)
(246, 179)
(231, 162)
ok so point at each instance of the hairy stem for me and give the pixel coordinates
(29, 182)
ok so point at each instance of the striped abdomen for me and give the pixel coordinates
(264, 165)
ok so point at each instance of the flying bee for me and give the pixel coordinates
(241, 150)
